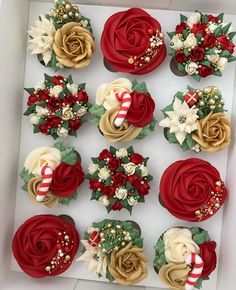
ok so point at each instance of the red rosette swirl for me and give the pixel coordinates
(35, 245)
(66, 179)
(127, 34)
(189, 187)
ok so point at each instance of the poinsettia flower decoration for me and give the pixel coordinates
(202, 45)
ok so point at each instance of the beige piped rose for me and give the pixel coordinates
(213, 132)
(73, 45)
(190, 41)
(50, 200)
(128, 265)
(41, 156)
(129, 168)
(174, 275)
(67, 113)
(105, 94)
(179, 244)
(191, 68)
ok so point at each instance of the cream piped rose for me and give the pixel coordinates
(105, 94)
(41, 156)
(178, 245)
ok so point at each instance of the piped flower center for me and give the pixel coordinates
(182, 119)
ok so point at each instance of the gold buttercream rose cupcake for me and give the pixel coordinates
(124, 110)
(62, 38)
(196, 120)
(184, 258)
(113, 249)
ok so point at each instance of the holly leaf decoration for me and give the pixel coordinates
(60, 146)
(147, 129)
(67, 200)
(30, 110)
(69, 156)
(198, 284)
(29, 90)
(201, 237)
(97, 110)
(139, 87)
(26, 175)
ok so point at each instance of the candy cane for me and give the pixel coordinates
(196, 272)
(125, 99)
(47, 173)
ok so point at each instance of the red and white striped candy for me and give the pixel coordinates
(47, 173)
(197, 264)
(125, 99)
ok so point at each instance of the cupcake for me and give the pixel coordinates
(52, 175)
(132, 42)
(62, 38)
(114, 250)
(184, 258)
(124, 110)
(57, 106)
(45, 245)
(192, 190)
(119, 178)
(196, 120)
(201, 45)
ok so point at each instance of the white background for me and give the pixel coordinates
(13, 21)
(162, 84)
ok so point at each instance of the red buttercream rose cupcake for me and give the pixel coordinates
(52, 175)
(192, 190)
(132, 42)
(45, 245)
(124, 110)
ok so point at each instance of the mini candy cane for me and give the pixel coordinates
(47, 173)
(125, 99)
(196, 272)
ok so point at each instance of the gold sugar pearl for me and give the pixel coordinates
(130, 60)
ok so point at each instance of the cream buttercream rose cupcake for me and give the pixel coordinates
(52, 175)
(57, 106)
(119, 178)
(113, 250)
(184, 258)
(196, 120)
(201, 45)
(62, 38)
(124, 110)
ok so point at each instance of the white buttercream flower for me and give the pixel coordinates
(41, 111)
(176, 42)
(55, 91)
(39, 86)
(42, 38)
(73, 88)
(132, 201)
(129, 168)
(67, 113)
(222, 63)
(213, 58)
(103, 173)
(191, 68)
(93, 168)
(104, 200)
(122, 152)
(82, 111)
(181, 120)
(105, 94)
(144, 170)
(95, 258)
(190, 41)
(179, 244)
(34, 119)
(121, 193)
(62, 132)
(194, 18)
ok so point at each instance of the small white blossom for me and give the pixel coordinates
(104, 200)
(122, 152)
(55, 91)
(93, 168)
(129, 168)
(73, 88)
(62, 132)
(39, 86)
(121, 193)
(41, 111)
(104, 173)
(34, 119)
(194, 18)
(132, 201)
